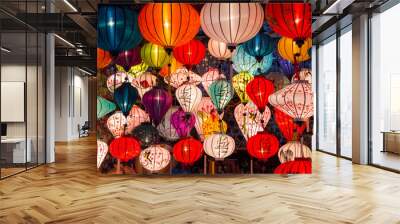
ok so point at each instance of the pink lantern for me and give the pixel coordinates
(250, 120)
(304, 74)
(296, 100)
(293, 150)
(116, 124)
(182, 76)
(144, 82)
(206, 106)
(102, 150)
(189, 97)
(165, 128)
(155, 158)
(137, 116)
(219, 50)
(209, 77)
(183, 122)
(116, 80)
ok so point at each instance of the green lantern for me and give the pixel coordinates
(104, 107)
(154, 55)
(221, 93)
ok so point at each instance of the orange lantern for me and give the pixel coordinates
(174, 65)
(103, 58)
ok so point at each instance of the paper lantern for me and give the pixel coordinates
(154, 55)
(116, 80)
(221, 92)
(155, 158)
(286, 67)
(188, 150)
(182, 76)
(293, 150)
(165, 128)
(169, 24)
(289, 129)
(102, 150)
(144, 82)
(289, 50)
(219, 146)
(209, 77)
(147, 134)
(231, 23)
(218, 49)
(291, 20)
(189, 97)
(117, 28)
(104, 58)
(125, 96)
(243, 62)
(239, 83)
(128, 58)
(190, 53)
(259, 46)
(124, 148)
(138, 69)
(259, 90)
(296, 100)
(117, 123)
(213, 125)
(157, 101)
(250, 120)
(200, 118)
(298, 166)
(183, 122)
(104, 107)
(262, 146)
(171, 67)
(278, 79)
(137, 116)
(304, 74)
(206, 106)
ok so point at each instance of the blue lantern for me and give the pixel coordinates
(259, 46)
(243, 62)
(125, 96)
(117, 28)
(286, 67)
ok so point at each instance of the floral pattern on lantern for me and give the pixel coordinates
(218, 49)
(102, 150)
(200, 118)
(116, 124)
(219, 146)
(165, 128)
(189, 97)
(209, 77)
(250, 120)
(117, 79)
(213, 125)
(293, 150)
(304, 74)
(206, 105)
(182, 76)
(155, 158)
(144, 83)
(239, 83)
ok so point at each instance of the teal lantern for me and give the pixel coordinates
(125, 96)
(259, 46)
(104, 107)
(243, 62)
(221, 93)
(117, 28)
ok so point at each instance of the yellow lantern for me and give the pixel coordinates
(289, 50)
(154, 55)
(239, 83)
(213, 125)
(173, 66)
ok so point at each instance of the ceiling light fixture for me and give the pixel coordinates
(5, 49)
(64, 40)
(70, 5)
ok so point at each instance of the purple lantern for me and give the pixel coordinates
(286, 67)
(129, 58)
(157, 101)
(183, 122)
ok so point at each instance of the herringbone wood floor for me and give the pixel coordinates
(71, 191)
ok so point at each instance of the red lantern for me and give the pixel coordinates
(290, 20)
(298, 166)
(103, 58)
(188, 150)
(125, 148)
(287, 126)
(258, 90)
(190, 53)
(263, 145)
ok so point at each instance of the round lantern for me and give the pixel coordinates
(183, 122)
(124, 148)
(291, 20)
(190, 53)
(221, 92)
(206, 106)
(102, 150)
(280, 80)
(231, 23)
(289, 50)
(189, 97)
(259, 46)
(155, 158)
(137, 116)
(219, 146)
(147, 134)
(169, 24)
(296, 100)
(144, 82)
(128, 58)
(157, 101)
(289, 129)
(239, 83)
(262, 145)
(213, 125)
(298, 166)
(117, 28)
(103, 58)
(188, 150)
(304, 74)
(154, 55)
(171, 67)
(125, 96)
(293, 150)
(250, 120)
(104, 107)
(138, 69)
(182, 76)
(165, 128)
(243, 62)
(259, 90)
(117, 123)
(219, 49)
(116, 80)
(209, 77)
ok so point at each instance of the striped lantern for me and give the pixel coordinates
(154, 55)
(182, 76)
(219, 146)
(293, 150)
(189, 97)
(116, 124)
(190, 53)
(116, 80)
(218, 49)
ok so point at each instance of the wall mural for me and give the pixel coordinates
(214, 88)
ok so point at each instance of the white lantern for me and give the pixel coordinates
(182, 76)
(102, 150)
(219, 50)
(165, 128)
(116, 80)
(189, 97)
(293, 150)
(304, 74)
(144, 82)
(209, 77)
(206, 106)
(155, 158)
(296, 100)
(116, 124)
(231, 23)
(219, 146)
(250, 120)
(137, 116)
